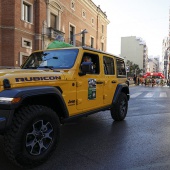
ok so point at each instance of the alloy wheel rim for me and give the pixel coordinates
(123, 107)
(39, 137)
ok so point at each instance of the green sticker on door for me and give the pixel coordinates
(91, 89)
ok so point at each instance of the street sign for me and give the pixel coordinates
(127, 68)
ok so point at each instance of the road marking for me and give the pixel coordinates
(135, 95)
(149, 94)
(163, 94)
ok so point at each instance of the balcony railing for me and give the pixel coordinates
(78, 43)
(53, 33)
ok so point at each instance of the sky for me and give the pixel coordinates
(148, 19)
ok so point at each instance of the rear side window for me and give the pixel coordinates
(121, 71)
(108, 65)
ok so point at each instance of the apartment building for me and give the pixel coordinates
(135, 49)
(153, 64)
(29, 25)
(165, 56)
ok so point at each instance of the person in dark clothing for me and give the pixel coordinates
(138, 81)
(134, 79)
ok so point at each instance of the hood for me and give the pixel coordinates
(18, 71)
(29, 77)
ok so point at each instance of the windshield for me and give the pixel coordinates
(55, 59)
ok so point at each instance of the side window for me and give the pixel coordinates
(88, 57)
(121, 71)
(108, 65)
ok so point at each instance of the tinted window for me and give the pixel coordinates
(121, 71)
(108, 65)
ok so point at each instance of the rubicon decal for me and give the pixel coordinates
(23, 79)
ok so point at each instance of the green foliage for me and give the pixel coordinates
(133, 68)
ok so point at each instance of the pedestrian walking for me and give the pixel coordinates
(138, 81)
(134, 79)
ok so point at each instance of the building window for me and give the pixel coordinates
(83, 13)
(53, 21)
(73, 5)
(27, 43)
(92, 42)
(23, 57)
(102, 29)
(102, 46)
(83, 40)
(27, 11)
(54, 16)
(72, 32)
(92, 20)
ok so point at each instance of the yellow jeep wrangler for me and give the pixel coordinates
(53, 87)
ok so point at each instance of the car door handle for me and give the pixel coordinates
(114, 81)
(99, 82)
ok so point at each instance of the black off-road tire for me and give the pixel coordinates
(119, 110)
(33, 136)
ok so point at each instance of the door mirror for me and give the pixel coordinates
(86, 68)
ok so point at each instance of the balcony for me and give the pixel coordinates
(77, 43)
(52, 33)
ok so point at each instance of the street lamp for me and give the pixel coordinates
(83, 40)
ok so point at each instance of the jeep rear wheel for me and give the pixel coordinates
(33, 136)
(119, 110)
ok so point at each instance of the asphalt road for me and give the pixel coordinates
(140, 142)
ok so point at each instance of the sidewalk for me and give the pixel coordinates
(131, 83)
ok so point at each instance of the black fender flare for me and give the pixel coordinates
(25, 92)
(121, 88)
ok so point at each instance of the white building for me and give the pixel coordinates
(153, 64)
(135, 50)
(165, 57)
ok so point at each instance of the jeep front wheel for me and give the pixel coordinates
(33, 136)
(119, 109)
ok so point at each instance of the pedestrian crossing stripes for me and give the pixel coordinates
(149, 95)
(135, 95)
(163, 94)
